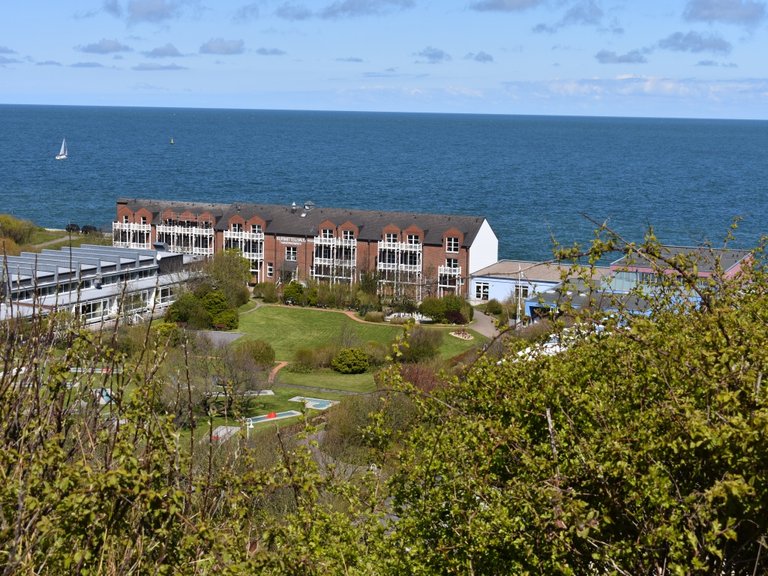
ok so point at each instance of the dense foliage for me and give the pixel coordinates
(350, 361)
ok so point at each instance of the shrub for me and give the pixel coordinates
(350, 361)
(8, 247)
(421, 344)
(260, 351)
(226, 320)
(493, 307)
(377, 352)
(422, 375)
(293, 293)
(215, 302)
(455, 317)
(374, 316)
(303, 360)
(20, 231)
(433, 307)
(267, 291)
(189, 309)
(167, 332)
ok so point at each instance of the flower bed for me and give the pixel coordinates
(461, 334)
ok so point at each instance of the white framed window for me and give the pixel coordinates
(236, 227)
(390, 237)
(327, 233)
(256, 228)
(270, 269)
(290, 253)
(143, 219)
(451, 244)
(348, 234)
(481, 290)
(452, 263)
(413, 239)
(125, 219)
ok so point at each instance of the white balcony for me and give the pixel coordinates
(399, 246)
(335, 242)
(449, 271)
(243, 236)
(184, 230)
(131, 227)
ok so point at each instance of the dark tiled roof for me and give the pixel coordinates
(283, 220)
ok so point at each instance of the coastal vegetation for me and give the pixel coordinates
(18, 235)
(638, 449)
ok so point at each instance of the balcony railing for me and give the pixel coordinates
(340, 242)
(184, 230)
(399, 246)
(243, 235)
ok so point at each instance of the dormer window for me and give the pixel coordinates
(413, 239)
(452, 244)
(390, 237)
(236, 227)
(327, 233)
(125, 219)
(256, 228)
(348, 234)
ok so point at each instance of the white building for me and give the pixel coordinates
(95, 283)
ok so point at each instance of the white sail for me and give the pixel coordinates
(63, 151)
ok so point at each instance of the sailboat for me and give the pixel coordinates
(62, 155)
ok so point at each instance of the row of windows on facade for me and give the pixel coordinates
(482, 291)
(133, 303)
(452, 243)
(28, 293)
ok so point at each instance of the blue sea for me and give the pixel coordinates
(535, 178)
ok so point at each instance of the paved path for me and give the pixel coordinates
(275, 370)
(484, 324)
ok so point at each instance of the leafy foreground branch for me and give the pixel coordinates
(641, 449)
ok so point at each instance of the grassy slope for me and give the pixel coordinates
(289, 329)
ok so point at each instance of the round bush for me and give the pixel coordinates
(350, 361)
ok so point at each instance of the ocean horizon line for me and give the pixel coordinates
(387, 112)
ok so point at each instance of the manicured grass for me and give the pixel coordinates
(326, 378)
(289, 328)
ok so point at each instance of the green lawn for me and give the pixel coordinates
(289, 328)
(327, 379)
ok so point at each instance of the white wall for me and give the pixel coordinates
(484, 250)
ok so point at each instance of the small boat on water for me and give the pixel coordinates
(171, 139)
(62, 155)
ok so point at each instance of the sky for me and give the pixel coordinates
(639, 58)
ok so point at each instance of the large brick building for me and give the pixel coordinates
(411, 254)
